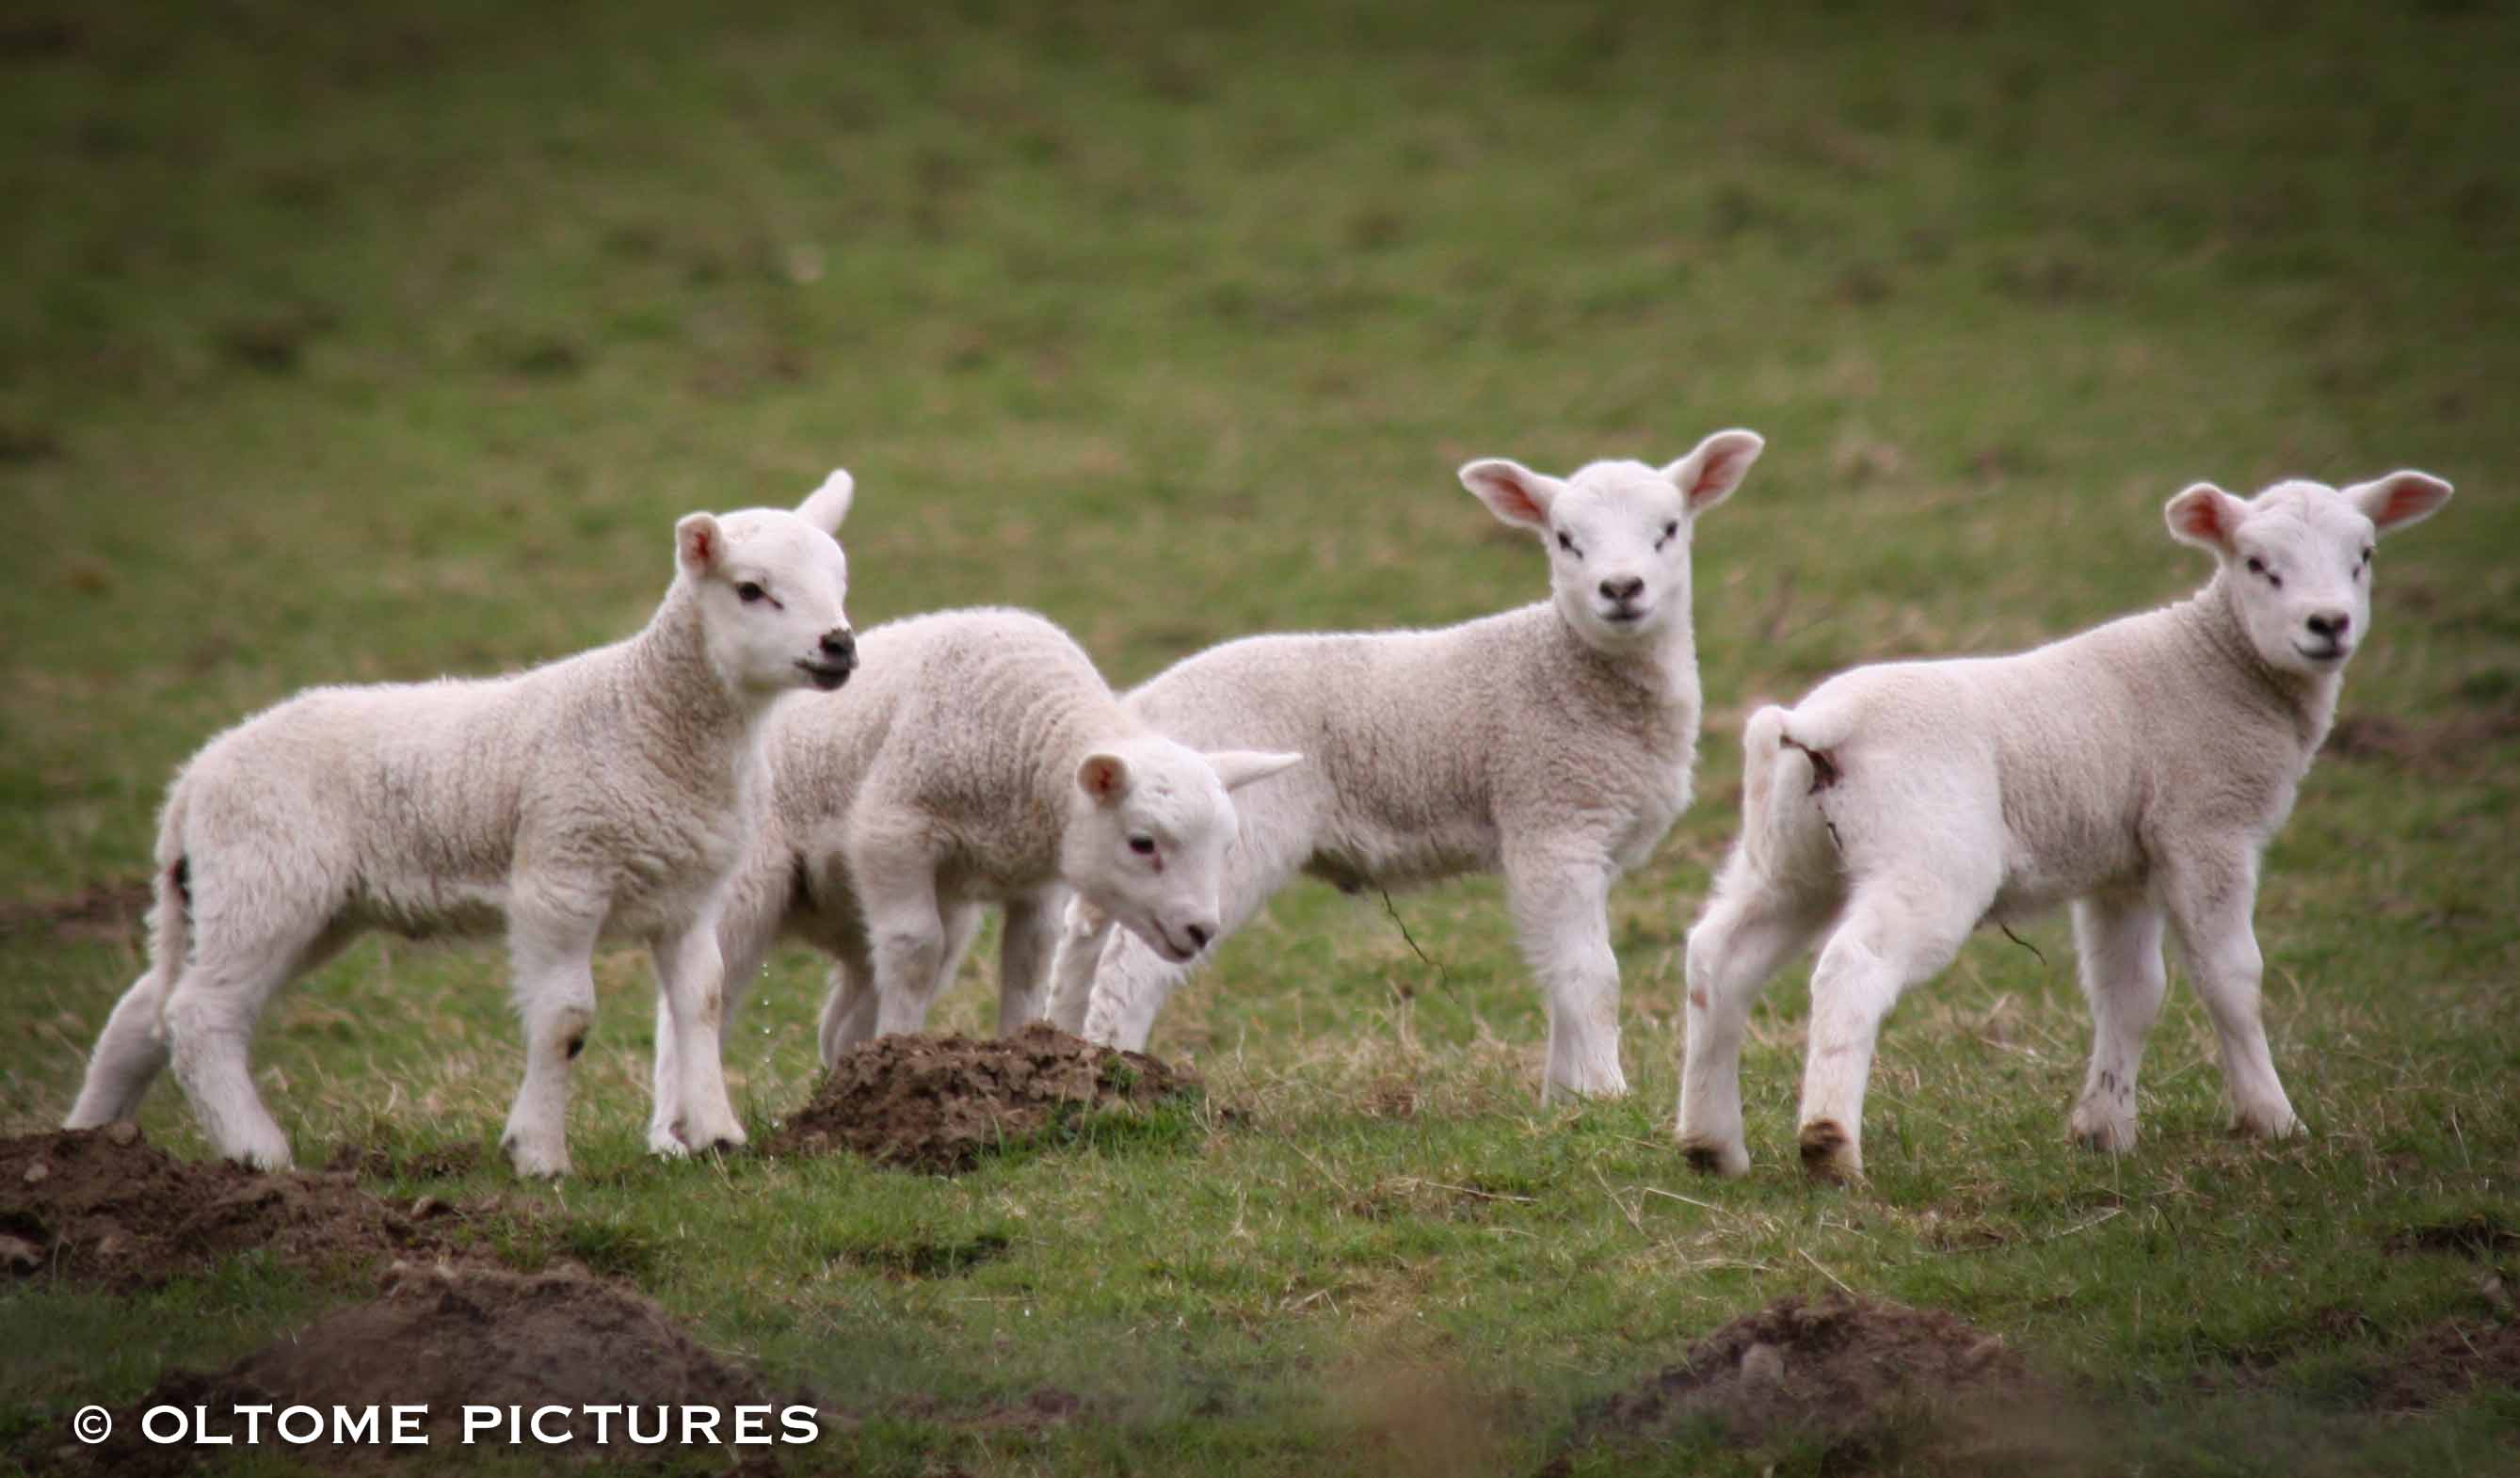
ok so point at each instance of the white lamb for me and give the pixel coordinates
(2138, 769)
(1553, 742)
(980, 759)
(605, 794)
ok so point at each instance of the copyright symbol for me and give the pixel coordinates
(92, 1424)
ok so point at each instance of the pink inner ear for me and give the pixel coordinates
(1102, 778)
(704, 548)
(2405, 498)
(1721, 471)
(2201, 517)
(1505, 492)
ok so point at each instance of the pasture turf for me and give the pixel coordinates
(352, 343)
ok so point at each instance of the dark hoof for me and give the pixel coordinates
(1828, 1152)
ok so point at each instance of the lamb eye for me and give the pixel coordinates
(2257, 566)
(1565, 542)
(1144, 847)
(749, 591)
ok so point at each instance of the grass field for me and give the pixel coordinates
(338, 345)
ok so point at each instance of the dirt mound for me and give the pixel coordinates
(941, 1102)
(104, 911)
(104, 1206)
(448, 1338)
(2454, 746)
(2447, 1361)
(1847, 1372)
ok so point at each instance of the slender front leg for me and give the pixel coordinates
(1086, 930)
(2119, 940)
(552, 949)
(1030, 933)
(1560, 904)
(749, 912)
(691, 977)
(2209, 897)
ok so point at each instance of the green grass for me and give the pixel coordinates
(340, 346)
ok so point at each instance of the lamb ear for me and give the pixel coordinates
(2205, 516)
(1238, 768)
(1709, 473)
(828, 504)
(1104, 777)
(2398, 498)
(1514, 493)
(698, 544)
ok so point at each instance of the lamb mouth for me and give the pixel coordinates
(1624, 615)
(1174, 951)
(2328, 654)
(826, 676)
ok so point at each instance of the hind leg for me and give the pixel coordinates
(1750, 925)
(848, 1009)
(129, 1054)
(209, 1018)
(1897, 930)
(2119, 940)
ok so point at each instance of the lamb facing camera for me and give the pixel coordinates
(1553, 743)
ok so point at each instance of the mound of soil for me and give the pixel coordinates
(2447, 1361)
(1842, 1370)
(447, 1338)
(2461, 742)
(941, 1102)
(103, 912)
(104, 1206)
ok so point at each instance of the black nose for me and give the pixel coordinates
(2331, 624)
(1198, 936)
(840, 644)
(1625, 588)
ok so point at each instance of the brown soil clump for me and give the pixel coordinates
(447, 1338)
(940, 1103)
(2459, 744)
(103, 1206)
(443, 1162)
(2447, 1361)
(104, 911)
(1848, 1372)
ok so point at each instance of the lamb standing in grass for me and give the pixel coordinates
(2138, 769)
(1553, 742)
(982, 759)
(601, 795)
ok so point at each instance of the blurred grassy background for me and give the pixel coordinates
(356, 344)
